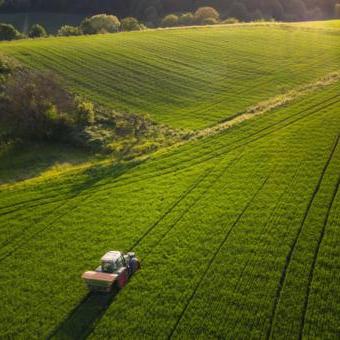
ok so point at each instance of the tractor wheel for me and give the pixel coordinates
(122, 279)
(135, 265)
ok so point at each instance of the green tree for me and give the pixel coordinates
(205, 12)
(170, 20)
(68, 31)
(101, 23)
(186, 19)
(37, 31)
(209, 21)
(130, 24)
(8, 32)
(34, 105)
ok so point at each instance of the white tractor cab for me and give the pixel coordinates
(114, 271)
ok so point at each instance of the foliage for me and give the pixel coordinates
(8, 32)
(170, 20)
(68, 30)
(100, 23)
(130, 24)
(85, 111)
(230, 20)
(203, 13)
(34, 105)
(209, 21)
(186, 19)
(37, 31)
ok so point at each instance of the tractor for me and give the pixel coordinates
(113, 273)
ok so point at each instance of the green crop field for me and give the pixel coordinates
(238, 232)
(51, 21)
(186, 78)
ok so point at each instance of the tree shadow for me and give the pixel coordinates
(22, 161)
(82, 320)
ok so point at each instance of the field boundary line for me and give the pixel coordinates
(315, 258)
(293, 246)
(215, 255)
(269, 105)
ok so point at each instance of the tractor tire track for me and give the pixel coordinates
(94, 187)
(315, 258)
(86, 188)
(229, 165)
(213, 154)
(272, 215)
(215, 255)
(24, 241)
(293, 247)
(172, 207)
(253, 253)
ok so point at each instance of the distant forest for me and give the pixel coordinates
(153, 10)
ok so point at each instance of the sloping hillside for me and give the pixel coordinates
(188, 78)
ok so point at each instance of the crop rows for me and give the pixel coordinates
(214, 222)
(172, 75)
(238, 232)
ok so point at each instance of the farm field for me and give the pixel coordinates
(51, 21)
(186, 78)
(237, 231)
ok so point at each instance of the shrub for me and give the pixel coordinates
(230, 20)
(85, 111)
(186, 19)
(209, 21)
(67, 31)
(170, 20)
(37, 31)
(130, 24)
(205, 12)
(101, 23)
(8, 32)
(35, 106)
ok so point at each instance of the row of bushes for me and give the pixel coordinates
(100, 23)
(8, 32)
(103, 23)
(203, 16)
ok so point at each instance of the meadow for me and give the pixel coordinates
(238, 231)
(186, 78)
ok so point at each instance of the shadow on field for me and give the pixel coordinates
(81, 321)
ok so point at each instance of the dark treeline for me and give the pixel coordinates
(153, 10)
